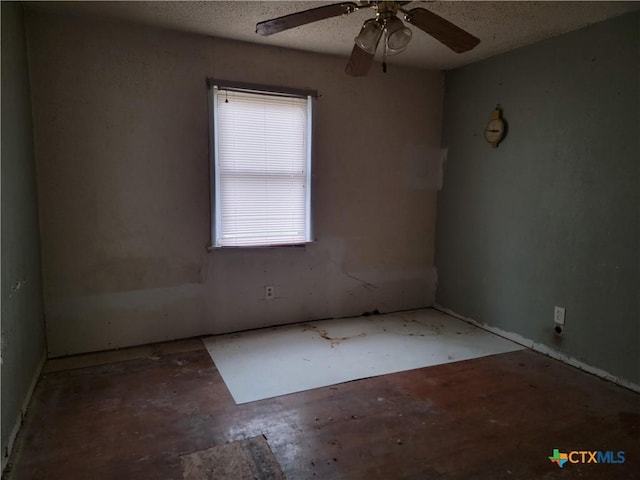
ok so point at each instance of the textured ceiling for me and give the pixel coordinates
(501, 26)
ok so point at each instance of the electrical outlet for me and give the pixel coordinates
(558, 315)
(269, 292)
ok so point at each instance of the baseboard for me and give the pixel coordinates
(6, 454)
(544, 349)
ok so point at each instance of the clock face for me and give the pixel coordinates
(494, 131)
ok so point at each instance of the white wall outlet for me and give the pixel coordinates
(269, 292)
(558, 315)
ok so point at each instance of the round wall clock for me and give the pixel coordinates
(495, 130)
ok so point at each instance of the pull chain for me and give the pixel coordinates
(384, 52)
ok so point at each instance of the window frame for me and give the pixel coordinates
(214, 178)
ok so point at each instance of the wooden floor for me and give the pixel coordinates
(490, 418)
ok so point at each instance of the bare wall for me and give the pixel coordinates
(122, 161)
(22, 326)
(550, 217)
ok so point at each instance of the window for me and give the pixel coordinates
(261, 166)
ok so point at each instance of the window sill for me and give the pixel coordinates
(211, 248)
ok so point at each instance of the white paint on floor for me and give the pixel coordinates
(277, 361)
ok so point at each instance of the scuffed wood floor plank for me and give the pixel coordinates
(493, 417)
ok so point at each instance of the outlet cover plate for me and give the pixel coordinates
(269, 292)
(558, 315)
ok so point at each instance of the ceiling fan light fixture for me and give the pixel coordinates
(370, 35)
(398, 36)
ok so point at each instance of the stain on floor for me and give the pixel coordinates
(249, 459)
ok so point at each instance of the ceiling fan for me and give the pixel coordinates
(385, 24)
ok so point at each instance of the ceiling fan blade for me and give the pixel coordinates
(276, 25)
(442, 30)
(359, 62)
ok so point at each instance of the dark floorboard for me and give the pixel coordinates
(494, 417)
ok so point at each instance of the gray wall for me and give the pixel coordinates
(22, 324)
(120, 126)
(551, 217)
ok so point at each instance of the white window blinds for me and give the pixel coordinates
(262, 168)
